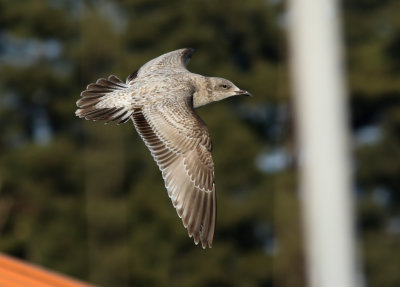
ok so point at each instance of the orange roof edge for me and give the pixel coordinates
(16, 273)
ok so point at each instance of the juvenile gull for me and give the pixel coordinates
(160, 98)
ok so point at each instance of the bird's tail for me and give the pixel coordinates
(107, 99)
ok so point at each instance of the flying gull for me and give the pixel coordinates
(160, 99)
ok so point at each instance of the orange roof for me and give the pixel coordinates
(15, 273)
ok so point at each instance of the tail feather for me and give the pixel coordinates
(107, 99)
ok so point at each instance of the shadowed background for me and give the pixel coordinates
(86, 199)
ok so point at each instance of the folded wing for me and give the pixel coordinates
(177, 59)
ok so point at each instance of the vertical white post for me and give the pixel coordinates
(321, 118)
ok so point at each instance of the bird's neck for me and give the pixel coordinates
(202, 93)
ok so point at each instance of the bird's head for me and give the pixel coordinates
(222, 88)
(213, 89)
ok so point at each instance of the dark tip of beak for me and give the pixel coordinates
(243, 93)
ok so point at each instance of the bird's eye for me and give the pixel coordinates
(224, 86)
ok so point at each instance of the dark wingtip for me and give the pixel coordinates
(188, 52)
(187, 55)
(132, 76)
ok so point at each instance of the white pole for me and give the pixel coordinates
(321, 118)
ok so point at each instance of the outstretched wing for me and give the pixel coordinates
(177, 59)
(180, 144)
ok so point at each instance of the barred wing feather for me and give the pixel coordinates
(180, 144)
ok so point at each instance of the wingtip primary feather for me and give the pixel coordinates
(187, 55)
(188, 52)
(131, 77)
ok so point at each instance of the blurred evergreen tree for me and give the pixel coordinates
(372, 33)
(90, 201)
(87, 199)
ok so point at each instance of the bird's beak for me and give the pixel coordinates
(243, 93)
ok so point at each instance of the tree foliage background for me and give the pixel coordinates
(87, 200)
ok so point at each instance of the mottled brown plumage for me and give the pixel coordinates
(160, 99)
